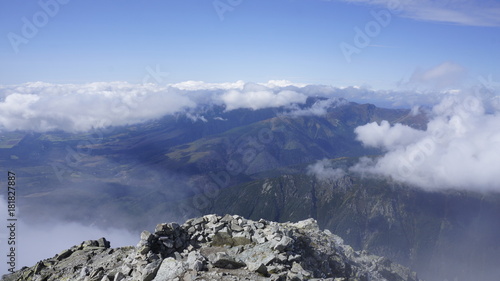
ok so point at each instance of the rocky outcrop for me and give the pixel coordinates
(220, 248)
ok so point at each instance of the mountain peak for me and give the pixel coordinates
(215, 247)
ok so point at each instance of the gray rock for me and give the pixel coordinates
(119, 276)
(227, 219)
(297, 268)
(309, 224)
(223, 260)
(258, 267)
(222, 237)
(195, 261)
(255, 256)
(84, 272)
(241, 238)
(146, 236)
(105, 278)
(170, 269)
(167, 242)
(283, 244)
(96, 274)
(236, 228)
(164, 229)
(198, 220)
(149, 272)
(102, 242)
(258, 238)
(64, 254)
(178, 244)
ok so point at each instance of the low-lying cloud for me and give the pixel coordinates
(261, 99)
(43, 107)
(459, 149)
(319, 108)
(47, 107)
(324, 170)
(35, 242)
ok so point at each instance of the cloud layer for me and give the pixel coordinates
(459, 149)
(324, 170)
(260, 99)
(319, 108)
(44, 107)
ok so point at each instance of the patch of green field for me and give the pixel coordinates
(9, 140)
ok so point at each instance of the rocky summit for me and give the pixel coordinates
(215, 247)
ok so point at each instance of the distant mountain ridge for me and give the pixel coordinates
(254, 163)
(175, 148)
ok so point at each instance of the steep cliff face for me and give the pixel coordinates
(220, 248)
(441, 235)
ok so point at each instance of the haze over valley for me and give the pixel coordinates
(378, 119)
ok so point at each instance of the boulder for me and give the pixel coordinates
(223, 260)
(170, 269)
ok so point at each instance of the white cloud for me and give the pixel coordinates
(319, 108)
(323, 170)
(80, 107)
(385, 136)
(261, 98)
(282, 84)
(200, 85)
(463, 12)
(45, 107)
(196, 117)
(459, 149)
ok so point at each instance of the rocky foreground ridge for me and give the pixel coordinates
(220, 248)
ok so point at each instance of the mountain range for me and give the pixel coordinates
(258, 164)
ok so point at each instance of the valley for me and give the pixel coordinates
(254, 163)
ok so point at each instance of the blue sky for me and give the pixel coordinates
(255, 41)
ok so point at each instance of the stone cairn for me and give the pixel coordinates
(233, 245)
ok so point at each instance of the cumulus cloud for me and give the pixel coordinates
(46, 107)
(385, 136)
(459, 149)
(260, 98)
(324, 170)
(463, 12)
